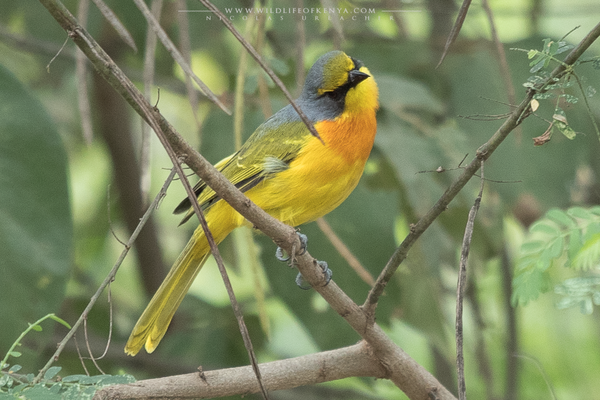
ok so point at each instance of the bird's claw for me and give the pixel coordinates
(280, 255)
(328, 273)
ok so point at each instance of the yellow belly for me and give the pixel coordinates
(315, 184)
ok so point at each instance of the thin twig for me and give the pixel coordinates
(164, 38)
(110, 326)
(264, 66)
(83, 97)
(460, 292)
(238, 125)
(81, 358)
(185, 44)
(109, 278)
(116, 23)
(500, 55)
(502, 61)
(110, 316)
(232, 299)
(482, 354)
(57, 54)
(345, 252)
(511, 345)
(263, 87)
(522, 111)
(87, 345)
(540, 368)
(148, 76)
(236, 308)
(240, 81)
(460, 19)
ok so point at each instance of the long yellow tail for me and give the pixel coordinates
(153, 324)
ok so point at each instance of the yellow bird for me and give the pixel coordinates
(282, 168)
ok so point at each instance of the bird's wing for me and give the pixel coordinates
(270, 149)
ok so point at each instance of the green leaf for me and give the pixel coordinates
(545, 227)
(52, 372)
(538, 63)
(14, 368)
(589, 255)
(561, 217)
(590, 91)
(570, 98)
(74, 378)
(543, 96)
(15, 354)
(91, 380)
(579, 212)
(596, 298)
(36, 327)
(77, 392)
(531, 247)
(563, 46)
(567, 302)
(60, 320)
(532, 53)
(40, 393)
(565, 129)
(553, 48)
(116, 380)
(55, 388)
(529, 285)
(553, 250)
(575, 244)
(591, 230)
(595, 210)
(20, 387)
(36, 232)
(586, 306)
(578, 287)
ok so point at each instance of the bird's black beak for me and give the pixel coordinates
(355, 77)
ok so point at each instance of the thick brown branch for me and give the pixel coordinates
(356, 360)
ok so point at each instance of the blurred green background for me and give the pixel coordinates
(63, 199)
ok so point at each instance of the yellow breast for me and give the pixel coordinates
(323, 175)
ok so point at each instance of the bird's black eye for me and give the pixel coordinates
(336, 95)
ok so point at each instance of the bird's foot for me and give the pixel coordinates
(323, 264)
(279, 254)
